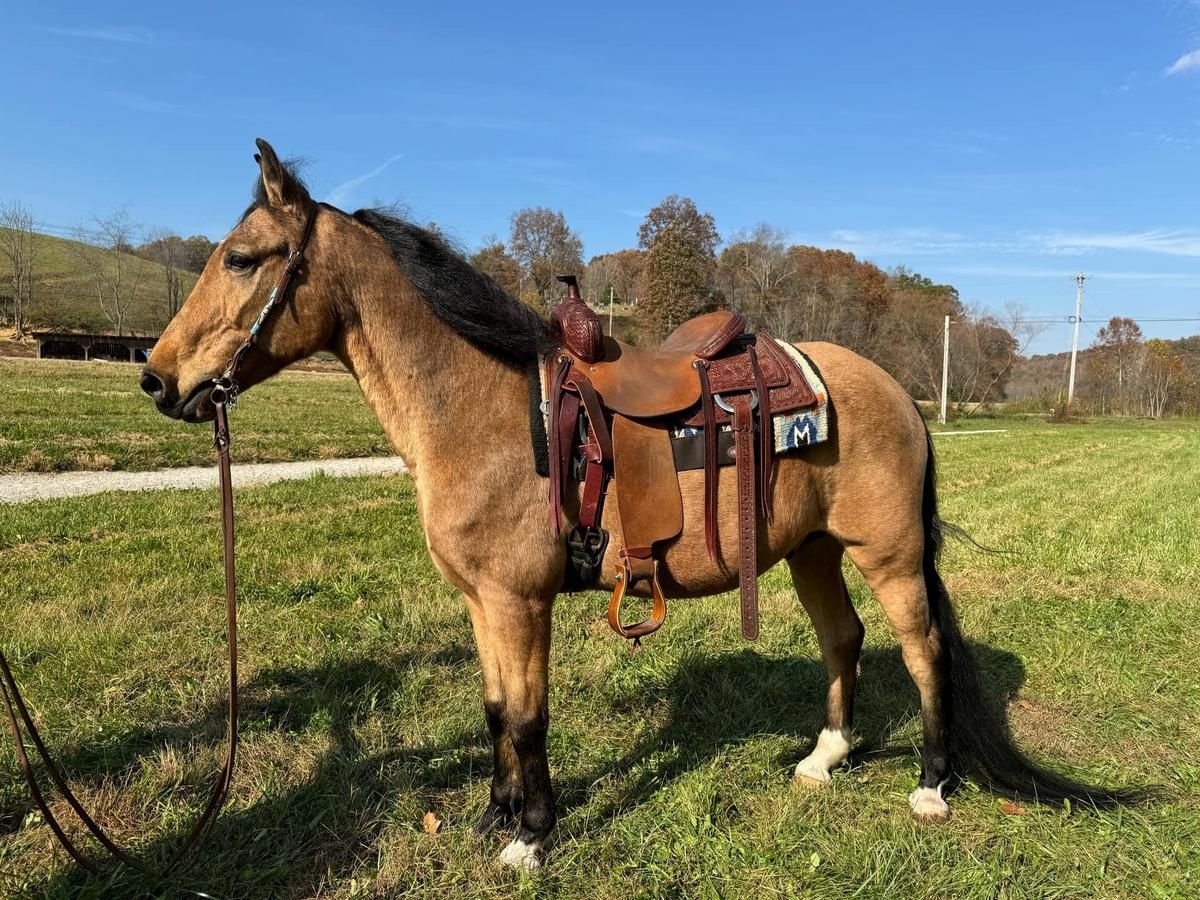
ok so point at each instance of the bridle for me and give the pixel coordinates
(223, 397)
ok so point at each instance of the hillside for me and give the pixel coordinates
(1044, 377)
(64, 292)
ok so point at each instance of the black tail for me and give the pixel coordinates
(980, 741)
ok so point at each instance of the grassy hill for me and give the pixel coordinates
(64, 292)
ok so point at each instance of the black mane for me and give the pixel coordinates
(467, 300)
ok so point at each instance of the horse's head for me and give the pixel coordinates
(231, 292)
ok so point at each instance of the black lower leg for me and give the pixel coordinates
(538, 813)
(504, 803)
(935, 755)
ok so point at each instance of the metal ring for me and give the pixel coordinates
(223, 390)
(720, 401)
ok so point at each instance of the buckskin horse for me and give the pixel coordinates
(434, 343)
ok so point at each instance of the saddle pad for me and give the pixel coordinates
(793, 430)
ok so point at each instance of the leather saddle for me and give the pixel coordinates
(613, 412)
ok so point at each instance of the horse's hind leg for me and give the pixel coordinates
(893, 570)
(817, 574)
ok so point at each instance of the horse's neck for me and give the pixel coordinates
(442, 402)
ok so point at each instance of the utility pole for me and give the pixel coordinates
(945, 369)
(1079, 280)
(610, 309)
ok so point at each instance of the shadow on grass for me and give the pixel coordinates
(289, 843)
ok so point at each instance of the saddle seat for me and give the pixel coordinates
(708, 372)
(639, 382)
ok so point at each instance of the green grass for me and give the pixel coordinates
(363, 708)
(57, 415)
(64, 292)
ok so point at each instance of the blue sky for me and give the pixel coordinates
(999, 147)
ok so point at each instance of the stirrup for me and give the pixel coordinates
(658, 614)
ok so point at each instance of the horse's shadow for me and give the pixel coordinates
(288, 842)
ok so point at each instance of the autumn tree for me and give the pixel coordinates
(544, 247)
(681, 263)
(197, 250)
(916, 324)
(1119, 344)
(755, 266)
(168, 250)
(106, 252)
(830, 295)
(1161, 372)
(19, 245)
(494, 260)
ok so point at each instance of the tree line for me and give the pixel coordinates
(106, 251)
(682, 266)
(1122, 373)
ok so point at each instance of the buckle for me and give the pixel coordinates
(585, 552)
(720, 401)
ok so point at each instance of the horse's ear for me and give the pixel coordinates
(282, 189)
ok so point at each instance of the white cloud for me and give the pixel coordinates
(117, 34)
(1187, 63)
(339, 194)
(905, 242)
(1170, 243)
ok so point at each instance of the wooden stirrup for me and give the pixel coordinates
(658, 614)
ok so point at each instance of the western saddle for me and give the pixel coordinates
(614, 412)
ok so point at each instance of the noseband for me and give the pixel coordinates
(223, 397)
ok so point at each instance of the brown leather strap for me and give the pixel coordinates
(743, 435)
(598, 452)
(562, 430)
(711, 464)
(766, 435)
(21, 722)
(275, 298)
(634, 569)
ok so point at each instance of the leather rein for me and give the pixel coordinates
(223, 397)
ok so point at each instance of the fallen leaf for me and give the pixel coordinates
(1007, 807)
(1024, 704)
(432, 824)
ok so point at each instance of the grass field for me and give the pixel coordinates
(363, 710)
(58, 415)
(64, 291)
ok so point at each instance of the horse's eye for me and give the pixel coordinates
(238, 262)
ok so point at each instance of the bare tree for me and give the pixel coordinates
(545, 246)
(168, 250)
(18, 244)
(107, 253)
(991, 348)
(760, 259)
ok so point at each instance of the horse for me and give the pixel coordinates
(438, 347)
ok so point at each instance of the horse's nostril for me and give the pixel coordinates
(152, 384)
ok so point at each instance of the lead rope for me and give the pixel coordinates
(21, 722)
(223, 397)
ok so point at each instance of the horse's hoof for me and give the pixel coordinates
(928, 807)
(520, 855)
(812, 777)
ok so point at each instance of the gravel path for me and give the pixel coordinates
(25, 486)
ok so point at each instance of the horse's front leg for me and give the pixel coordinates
(504, 801)
(518, 650)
